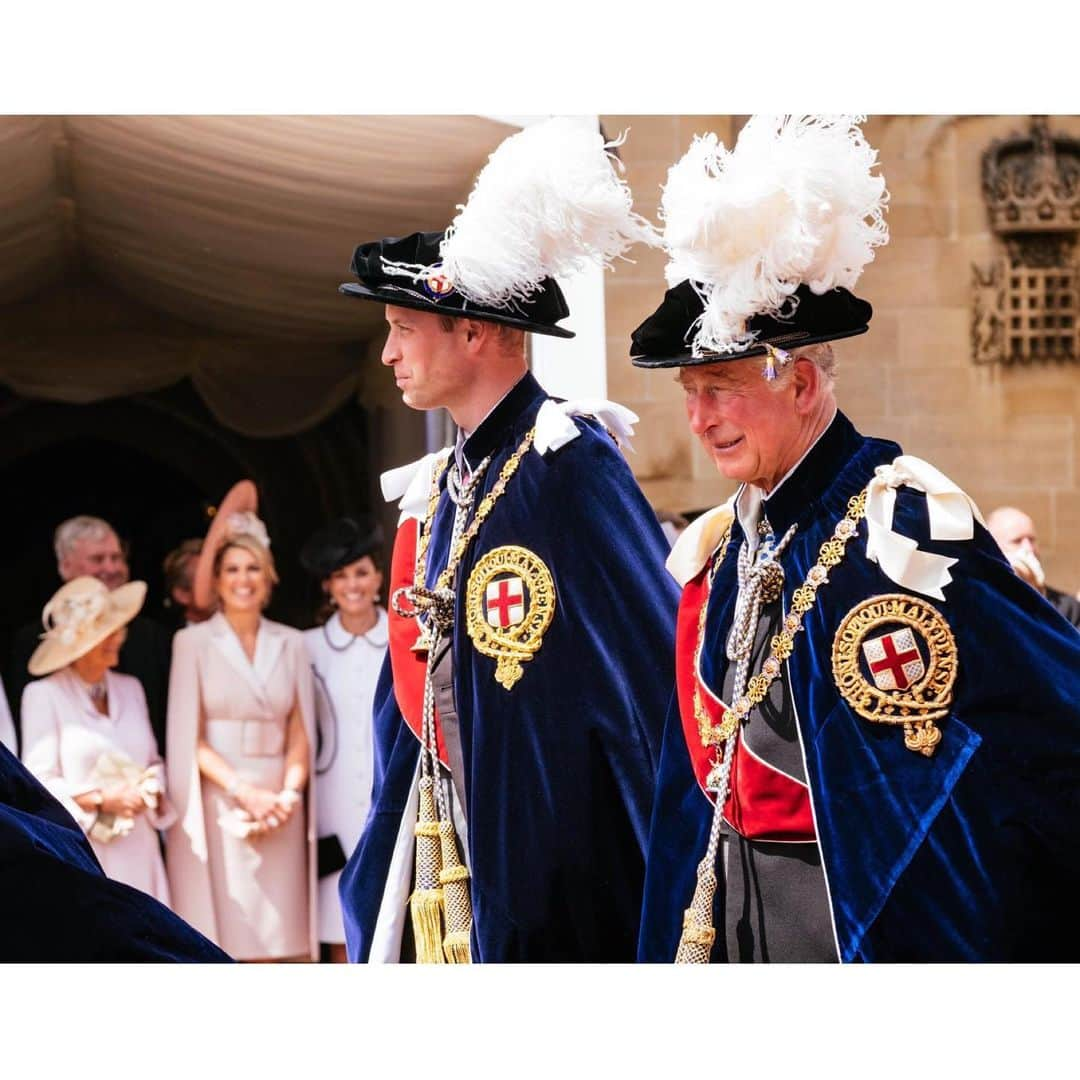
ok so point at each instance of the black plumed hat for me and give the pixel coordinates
(424, 287)
(549, 203)
(665, 338)
(765, 241)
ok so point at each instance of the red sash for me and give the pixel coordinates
(409, 668)
(762, 804)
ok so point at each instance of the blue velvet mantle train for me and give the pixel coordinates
(56, 904)
(560, 770)
(970, 854)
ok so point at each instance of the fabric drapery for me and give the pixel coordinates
(136, 251)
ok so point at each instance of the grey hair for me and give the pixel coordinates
(821, 355)
(74, 530)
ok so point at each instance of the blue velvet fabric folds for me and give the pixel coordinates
(971, 854)
(559, 770)
(56, 905)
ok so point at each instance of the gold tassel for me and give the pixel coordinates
(426, 902)
(454, 878)
(698, 934)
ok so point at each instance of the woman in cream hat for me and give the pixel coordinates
(241, 857)
(87, 734)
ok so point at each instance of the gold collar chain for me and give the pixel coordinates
(446, 578)
(783, 643)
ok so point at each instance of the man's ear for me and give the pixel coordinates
(806, 380)
(477, 332)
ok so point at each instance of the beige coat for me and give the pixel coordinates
(255, 898)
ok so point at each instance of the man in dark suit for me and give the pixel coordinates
(89, 545)
(1015, 533)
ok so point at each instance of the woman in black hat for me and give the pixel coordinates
(346, 655)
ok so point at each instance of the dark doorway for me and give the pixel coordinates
(151, 505)
(151, 465)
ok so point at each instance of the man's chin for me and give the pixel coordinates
(730, 468)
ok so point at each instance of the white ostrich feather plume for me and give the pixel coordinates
(795, 202)
(548, 203)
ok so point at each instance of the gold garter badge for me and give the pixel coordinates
(894, 660)
(509, 604)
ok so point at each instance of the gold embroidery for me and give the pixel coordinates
(902, 687)
(509, 640)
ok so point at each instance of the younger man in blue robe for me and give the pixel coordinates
(517, 740)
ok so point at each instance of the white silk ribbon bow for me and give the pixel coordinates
(555, 428)
(952, 517)
(412, 484)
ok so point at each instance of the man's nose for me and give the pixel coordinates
(390, 353)
(699, 417)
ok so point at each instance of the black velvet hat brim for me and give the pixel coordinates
(403, 299)
(790, 342)
(663, 340)
(376, 263)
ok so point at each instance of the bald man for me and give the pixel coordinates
(1015, 533)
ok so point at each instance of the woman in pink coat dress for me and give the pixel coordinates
(87, 734)
(241, 858)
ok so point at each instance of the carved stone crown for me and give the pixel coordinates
(1031, 182)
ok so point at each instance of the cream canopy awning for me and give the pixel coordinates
(135, 251)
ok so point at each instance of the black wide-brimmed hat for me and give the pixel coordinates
(381, 267)
(665, 338)
(340, 543)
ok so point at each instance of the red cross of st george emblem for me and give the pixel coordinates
(894, 660)
(505, 602)
(911, 669)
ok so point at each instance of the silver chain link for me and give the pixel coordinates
(439, 620)
(740, 644)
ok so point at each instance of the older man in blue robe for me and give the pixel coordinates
(876, 749)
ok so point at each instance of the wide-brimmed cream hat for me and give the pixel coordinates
(82, 614)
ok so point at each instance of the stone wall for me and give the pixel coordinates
(1006, 435)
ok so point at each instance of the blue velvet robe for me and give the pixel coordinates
(971, 854)
(57, 905)
(560, 770)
